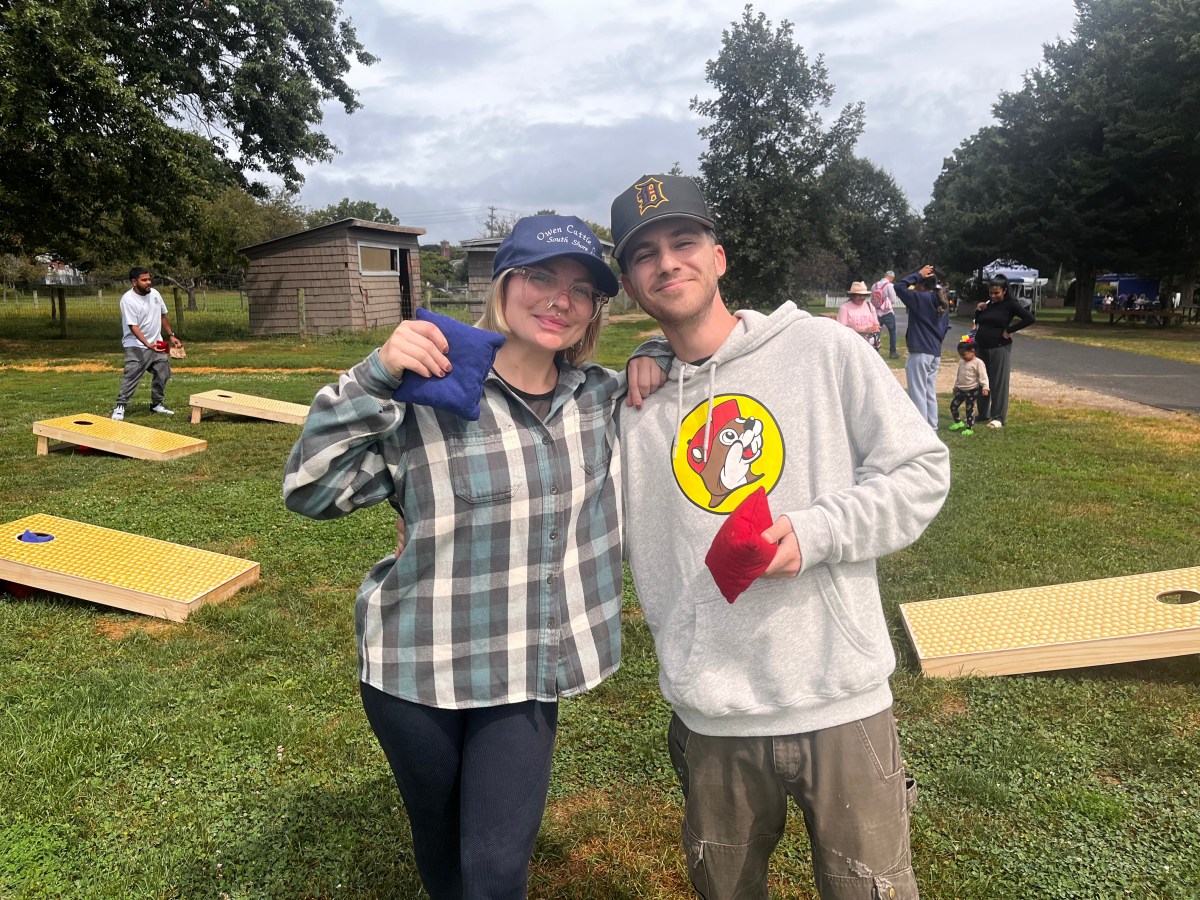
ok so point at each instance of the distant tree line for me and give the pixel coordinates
(1094, 163)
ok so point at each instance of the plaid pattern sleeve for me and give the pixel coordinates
(509, 586)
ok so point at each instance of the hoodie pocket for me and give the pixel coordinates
(841, 616)
(790, 643)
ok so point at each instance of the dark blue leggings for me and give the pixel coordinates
(474, 784)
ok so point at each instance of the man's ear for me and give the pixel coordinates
(719, 256)
(625, 283)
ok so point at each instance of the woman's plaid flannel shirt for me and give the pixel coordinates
(509, 586)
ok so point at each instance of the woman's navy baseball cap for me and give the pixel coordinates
(535, 239)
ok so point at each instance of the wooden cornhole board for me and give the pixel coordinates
(248, 405)
(129, 571)
(1060, 626)
(123, 438)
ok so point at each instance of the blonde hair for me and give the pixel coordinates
(493, 320)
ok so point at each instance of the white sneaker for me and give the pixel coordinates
(995, 423)
(162, 410)
(118, 413)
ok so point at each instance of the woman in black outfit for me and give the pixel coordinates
(993, 338)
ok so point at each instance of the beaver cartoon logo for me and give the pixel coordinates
(716, 458)
(649, 194)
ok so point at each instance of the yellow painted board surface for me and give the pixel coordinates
(116, 568)
(248, 405)
(124, 438)
(1059, 626)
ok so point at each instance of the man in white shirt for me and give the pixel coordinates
(883, 296)
(143, 321)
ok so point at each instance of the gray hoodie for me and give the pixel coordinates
(807, 410)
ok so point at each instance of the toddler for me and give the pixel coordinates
(970, 384)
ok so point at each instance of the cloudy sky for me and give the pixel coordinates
(531, 105)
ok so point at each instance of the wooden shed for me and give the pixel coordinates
(350, 275)
(481, 255)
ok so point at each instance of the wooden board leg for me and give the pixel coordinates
(195, 415)
(43, 445)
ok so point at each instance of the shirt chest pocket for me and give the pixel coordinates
(480, 471)
(595, 442)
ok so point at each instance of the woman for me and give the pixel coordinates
(993, 337)
(928, 322)
(507, 594)
(859, 315)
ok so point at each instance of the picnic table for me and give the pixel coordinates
(1161, 317)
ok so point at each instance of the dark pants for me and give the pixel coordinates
(137, 361)
(971, 397)
(474, 784)
(997, 361)
(888, 321)
(848, 782)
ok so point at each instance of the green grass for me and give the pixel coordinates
(1181, 343)
(229, 756)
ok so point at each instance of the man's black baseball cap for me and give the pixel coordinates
(654, 197)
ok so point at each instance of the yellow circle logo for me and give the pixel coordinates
(719, 461)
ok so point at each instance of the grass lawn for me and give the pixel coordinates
(228, 756)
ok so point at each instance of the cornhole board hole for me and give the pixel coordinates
(1060, 626)
(128, 571)
(248, 405)
(122, 438)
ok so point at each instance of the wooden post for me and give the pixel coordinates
(178, 323)
(300, 320)
(62, 312)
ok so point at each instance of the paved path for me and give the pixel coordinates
(1149, 380)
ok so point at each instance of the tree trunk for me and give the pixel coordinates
(191, 292)
(1085, 283)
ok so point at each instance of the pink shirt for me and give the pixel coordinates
(859, 316)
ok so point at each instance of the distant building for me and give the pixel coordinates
(351, 275)
(481, 256)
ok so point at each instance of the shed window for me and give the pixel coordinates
(378, 259)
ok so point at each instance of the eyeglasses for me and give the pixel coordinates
(542, 287)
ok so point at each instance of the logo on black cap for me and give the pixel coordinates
(649, 194)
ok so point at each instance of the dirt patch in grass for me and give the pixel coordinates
(952, 706)
(637, 832)
(119, 629)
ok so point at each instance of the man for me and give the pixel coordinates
(928, 321)
(785, 691)
(883, 296)
(143, 321)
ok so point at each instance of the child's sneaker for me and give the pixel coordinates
(967, 432)
(118, 413)
(958, 426)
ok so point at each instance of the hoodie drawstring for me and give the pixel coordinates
(712, 386)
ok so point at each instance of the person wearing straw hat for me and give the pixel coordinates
(859, 315)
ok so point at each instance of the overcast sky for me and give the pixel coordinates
(531, 105)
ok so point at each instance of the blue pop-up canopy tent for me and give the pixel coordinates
(1132, 284)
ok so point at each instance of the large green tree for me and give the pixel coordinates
(117, 116)
(1093, 161)
(767, 147)
(869, 223)
(350, 209)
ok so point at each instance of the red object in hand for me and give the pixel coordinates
(739, 554)
(160, 346)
